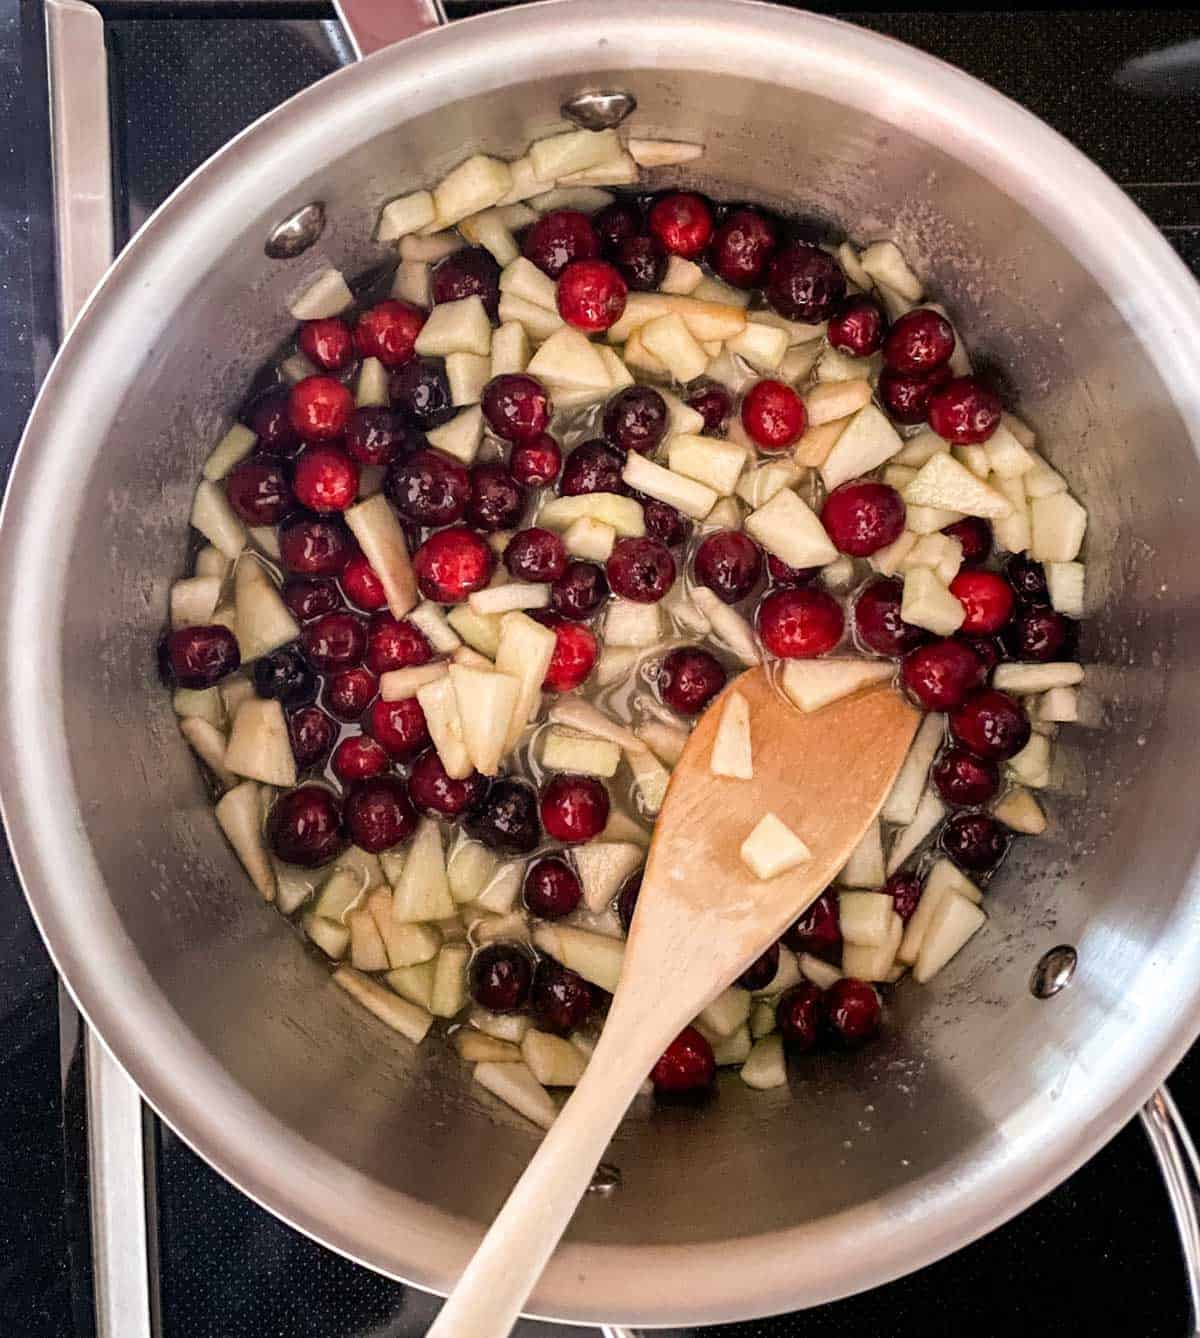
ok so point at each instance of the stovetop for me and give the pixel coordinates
(1097, 1255)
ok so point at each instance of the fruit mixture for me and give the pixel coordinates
(478, 552)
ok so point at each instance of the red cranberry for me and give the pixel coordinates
(574, 808)
(615, 223)
(452, 564)
(627, 899)
(773, 416)
(800, 624)
(574, 655)
(395, 643)
(759, 974)
(920, 341)
(975, 535)
(682, 222)
(334, 641)
(398, 727)
(730, 563)
(818, 930)
(641, 570)
(852, 1012)
(579, 591)
(349, 692)
(198, 657)
(686, 1065)
(420, 391)
(312, 734)
(497, 500)
(316, 547)
(940, 674)
(319, 408)
(878, 625)
(636, 419)
(991, 724)
(593, 467)
(268, 418)
(378, 813)
(326, 479)
(641, 262)
(434, 792)
(500, 977)
(558, 238)
(987, 600)
(798, 1016)
(507, 818)
(1041, 635)
(742, 246)
(964, 781)
(536, 463)
(552, 889)
(804, 283)
(471, 272)
(964, 411)
(856, 327)
(782, 574)
(429, 488)
(906, 395)
(535, 555)
(713, 403)
(258, 491)
(305, 827)
(517, 407)
(308, 597)
(358, 757)
(1027, 578)
(987, 651)
(327, 343)
(591, 295)
(362, 585)
(663, 522)
(862, 517)
(388, 331)
(905, 890)
(560, 999)
(974, 841)
(284, 676)
(689, 678)
(374, 436)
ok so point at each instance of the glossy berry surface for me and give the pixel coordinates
(506, 819)
(920, 341)
(497, 500)
(319, 408)
(334, 641)
(574, 808)
(595, 466)
(517, 407)
(818, 930)
(642, 262)
(375, 436)
(362, 586)
(198, 657)
(804, 283)
(964, 411)
(358, 757)
(905, 890)
(682, 222)
(535, 555)
(284, 676)
(452, 564)
(268, 418)
(316, 547)
(579, 591)
(800, 624)
(636, 419)
(305, 827)
(1027, 578)
(686, 1065)
(689, 678)
(437, 794)
(552, 888)
(878, 625)
(975, 536)
(558, 238)
(962, 780)
(713, 402)
(798, 1016)
(974, 841)
(941, 674)
(471, 272)
(327, 343)
(561, 1000)
(325, 479)
(574, 657)
(388, 331)
(378, 814)
(856, 327)
(308, 597)
(395, 643)
(862, 517)
(991, 724)
(616, 223)
(759, 974)
(258, 491)
(1041, 635)
(852, 1012)
(536, 463)
(349, 692)
(906, 395)
(741, 247)
(641, 570)
(783, 574)
(428, 488)
(773, 416)
(591, 295)
(729, 563)
(987, 601)
(312, 734)
(663, 522)
(398, 727)
(419, 390)
(500, 976)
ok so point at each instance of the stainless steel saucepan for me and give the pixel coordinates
(985, 1091)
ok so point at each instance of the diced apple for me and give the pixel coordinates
(590, 539)
(573, 151)
(885, 263)
(669, 340)
(263, 620)
(1058, 526)
(791, 531)
(422, 892)
(510, 349)
(707, 460)
(373, 523)
(538, 322)
(410, 1020)
(430, 620)
(193, 600)
(340, 893)
(622, 171)
(618, 374)
(1006, 457)
(819, 972)
(1023, 679)
(414, 982)
(205, 703)
(525, 183)
(568, 358)
(523, 280)
(975, 458)
(237, 815)
(585, 199)
(456, 327)
(510, 1027)
(266, 540)
(440, 705)
(811, 684)
(928, 603)
(888, 561)
(663, 152)
(1064, 582)
(466, 375)
(624, 514)
(730, 1051)
(772, 848)
(407, 214)
(873, 963)
(504, 887)
(732, 750)
(474, 185)
(563, 750)
(762, 1019)
(953, 924)
(944, 482)
(920, 449)
(865, 918)
(332, 938)
(397, 684)
(553, 1061)
(764, 347)
(481, 632)
(727, 1012)
(413, 283)
(476, 1048)
(371, 388)
(449, 994)
(666, 742)
(515, 1085)
(524, 651)
(725, 515)
(259, 746)
(901, 804)
(1058, 706)
(834, 365)
(765, 1068)
(838, 575)
(681, 276)
(514, 596)
(650, 779)
(831, 400)
(1042, 481)
(1031, 766)
(798, 362)
(865, 867)
(627, 623)
(297, 368)
(757, 486)
(923, 520)
(596, 957)
(603, 866)
(705, 320)
(208, 743)
(233, 448)
(1021, 812)
(408, 944)
(469, 870)
(216, 520)
(486, 704)
(490, 230)
(930, 811)
(293, 886)
(234, 692)
(894, 305)
(943, 880)
(898, 476)
(327, 294)
(211, 561)
(814, 446)
(367, 952)
(576, 714)
(728, 625)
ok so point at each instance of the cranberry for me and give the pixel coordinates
(374, 436)
(497, 500)
(964, 411)
(730, 563)
(561, 1000)
(357, 757)
(1041, 635)
(471, 272)
(818, 930)
(319, 408)
(940, 674)
(428, 488)
(964, 781)
(800, 624)
(378, 813)
(334, 641)
(759, 974)
(905, 890)
(689, 678)
(773, 416)
(663, 522)
(742, 246)
(920, 341)
(327, 343)
(268, 418)
(535, 555)
(308, 597)
(804, 283)
(856, 327)
(398, 727)
(906, 395)
(713, 403)
(1027, 578)
(312, 734)
(974, 841)
(987, 651)
(362, 585)
(516, 407)
(591, 295)
(574, 808)
(258, 491)
(305, 827)
(198, 657)
(507, 818)
(395, 643)
(574, 655)
(682, 222)
(987, 600)
(991, 724)
(284, 676)
(615, 223)
(326, 479)
(316, 547)
(579, 591)
(420, 391)
(500, 976)
(388, 331)
(558, 238)
(552, 889)
(686, 1065)
(975, 536)
(878, 625)
(798, 1016)
(782, 574)
(636, 419)
(536, 463)
(862, 517)
(349, 692)
(593, 467)
(641, 262)
(627, 899)
(434, 792)
(641, 570)
(452, 564)
(852, 1012)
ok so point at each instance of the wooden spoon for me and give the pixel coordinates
(702, 919)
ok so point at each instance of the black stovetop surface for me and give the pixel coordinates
(1097, 1255)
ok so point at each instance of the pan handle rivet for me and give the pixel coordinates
(293, 235)
(1053, 971)
(598, 111)
(606, 1181)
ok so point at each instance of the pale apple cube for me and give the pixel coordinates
(407, 214)
(728, 625)
(456, 327)
(585, 199)
(566, 399)
(663, 152)
(486, 703)
(603, 867)
(580, 715)
(928, 603)
(790, 530)
(1006, 457)
(573, 151)
(765, 1067)
(764, 347)
(772, 848)
(631, 624)
(264, 622)
(930, 551)
(497, 600)
(509, 1027)
(1058, 706)
(413, 282)
(569, 358)
(596, 957)
(475, 1048)
(885, 263)
(838, 575)
(409, 1019)
(552, 1060)
(231, 450)
(865, 918)
(332, 938)
(211, 561)
(621, 171)
(440, 705)
(725, 515)
(194, 600)
(589, 539)
(371, 388)
(953, 924)
(901, 804)
(814, 446)
(650, 779)
(462, 435)
(472, 186)
(522, 279)
(381, 538)
(208, 743)
(204, 704)
(917, 450)
(538, 322)
(930, 812)
(811, 684)
(510, 349)
(669, 340)
(708, 460)
(865, 867)
(480, 631)
(515, 1085)
(945, 483)
(326, 294)
(831, 400)
(429, 249)
(684, 420)
(834, 365)
(727, 1012)
(641, 359)
(1031, 766)
(666, 742)
(1042, 481)
(1058, 526)
(563, 750)
(397, 684)
(929, 519)
(469, 870)
(624, 514)
(1023, 679)
(888, 561)
(682, 610)
(732, 751)
(1021, 812)
(259, 746)
(874, 964)
(525, 183)
(489, 230)
(502, 891)
(216, 520)
(705, 319)
(614, 664)
(821, 973)
(899, 476)
(943, 879)
(687, 495)
(681, 277)
(297, 368)
(367, 952)
(757, 486)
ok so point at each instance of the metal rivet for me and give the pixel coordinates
(598, 111)
(607, 1179)
(1053, 971)
(296, 233)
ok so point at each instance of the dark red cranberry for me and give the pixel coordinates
(312, 734)
(349, 692)
(818, 930)
(782, 574)
(574, 808)
(641, 570)
(325, 479)
(800, 624)
(327, 343)
(627, 899)
(804, 283)
(305, 827)
(436, 793)
(920, 341)
(906, 395)
(398, 727)
(395, 643)
(535, 555)
(429, 488)
(713, 403)
(962, 780)
(987, 601)
(773, 416)
(471, 272)
(378, 813)
(798, 1016)
(663, 522)
(861, 517)
(506, 820)
(686, 1065)
(641, 262)
(905, 890)
(616, 222)
(375, 436)
(560, 999)
(975, 536)
(991, 724)
(558, 238)
(452, 564)
(362, 585)
(689, 678)
(974, 841)
(334, 641)
(268, 418)
(316, 547)
(536, 463)
(1027, 578)
(579, 591)
(1041, 635)
(964, 411)
(258, 491)
(388, 331)
(682, 222)
(500, 977)
(759, 974)
(591, 295)
(878, 625)
(987, 651)
(319, 408)
(284, 676)
(552, 888)
(358, 757)
(308, 597)
(852, 1012)
(517, 407)
(742, 246)
(574, 657)
(592, 467)
(856, 327)
(940, 674)
(497, 500)
(730, 563)
(419, 390)
(198, 657)
(636, 419)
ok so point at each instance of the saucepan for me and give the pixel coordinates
(1029, 1051)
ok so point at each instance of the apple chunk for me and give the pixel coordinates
(440, 705)
(238, 817)
(791, 531)
(486, 704)
(515, 1085)
(524, 651)
(263, 620)
(732, 750)
(954, 923)
(865, 443)
(603, 866)
(259, 746)
(563, 750)
(373, 523)
(772, 848)
(407, 1018)
(811, 684)
(944, 483)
